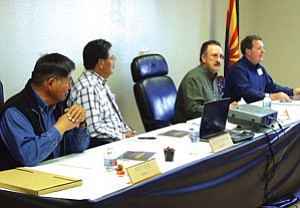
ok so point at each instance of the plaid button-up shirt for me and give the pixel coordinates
(103, 117)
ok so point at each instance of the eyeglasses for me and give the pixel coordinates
(216, 56)
(65, 80)
(113, 58)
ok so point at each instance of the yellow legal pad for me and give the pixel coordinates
(35, 182)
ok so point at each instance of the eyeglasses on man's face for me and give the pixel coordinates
(66, 80)
(113, 58)
(216, 56)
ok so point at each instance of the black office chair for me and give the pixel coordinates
(1, 93)
(154, 91)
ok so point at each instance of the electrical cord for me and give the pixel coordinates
(288, 141)
(270, 166)
(282, 203)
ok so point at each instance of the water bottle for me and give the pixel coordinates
(110, 159)
(267, 101)
(194, 134)
(194, 137)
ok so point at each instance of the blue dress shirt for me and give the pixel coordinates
(250, 82)
(28, 148)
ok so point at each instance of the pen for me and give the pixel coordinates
(146, 137)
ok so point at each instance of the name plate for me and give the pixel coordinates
(143, 171)
(220, 142)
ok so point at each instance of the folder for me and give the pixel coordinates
(35, 182)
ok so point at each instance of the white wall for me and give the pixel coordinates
(174, 28)
(278, 23)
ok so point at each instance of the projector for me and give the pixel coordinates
(252, 117)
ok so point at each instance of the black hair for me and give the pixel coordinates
(93, 51)
(49, 65)
(206, 44)
(247, 42)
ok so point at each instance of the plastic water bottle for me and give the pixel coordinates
(194, 137)
(110, 159)
(267, 101)
(194, 134)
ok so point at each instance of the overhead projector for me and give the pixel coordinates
(252, 117)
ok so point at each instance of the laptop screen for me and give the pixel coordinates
(214, 118)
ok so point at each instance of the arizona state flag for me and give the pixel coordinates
(232, 35)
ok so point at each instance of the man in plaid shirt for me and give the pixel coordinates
(103, 118)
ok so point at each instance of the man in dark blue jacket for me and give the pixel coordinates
(36, 124)
(249, 80)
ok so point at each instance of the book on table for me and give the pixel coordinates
(174, 133)
(25, 180)
(136, 155)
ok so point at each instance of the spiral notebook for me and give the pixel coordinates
(25, 180)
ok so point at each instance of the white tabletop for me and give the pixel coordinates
(97, 183)
(89, 165)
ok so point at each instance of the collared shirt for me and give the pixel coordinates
(30, 149)
(103, 117)
(197, 87)
(250, 82)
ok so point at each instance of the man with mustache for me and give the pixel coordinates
(249, 80)
(199, 84)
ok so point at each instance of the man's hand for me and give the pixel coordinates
(296, 91)
(279, 96)
(233, 104)
(75, 113)
(130, 133)
(71, 119)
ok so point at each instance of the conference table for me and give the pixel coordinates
(248, 174)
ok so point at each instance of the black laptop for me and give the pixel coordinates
(214, 118)
(213, 122)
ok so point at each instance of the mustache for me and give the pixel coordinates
(218, 63)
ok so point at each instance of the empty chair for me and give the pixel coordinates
(1, 93)
(154, 91)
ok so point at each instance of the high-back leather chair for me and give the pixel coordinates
(154, 91)
(1, 93)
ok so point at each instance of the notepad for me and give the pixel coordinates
(25, 180)
(136, 155)
(175, 133)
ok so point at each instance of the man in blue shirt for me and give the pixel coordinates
(35, 124)
(249, 80)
